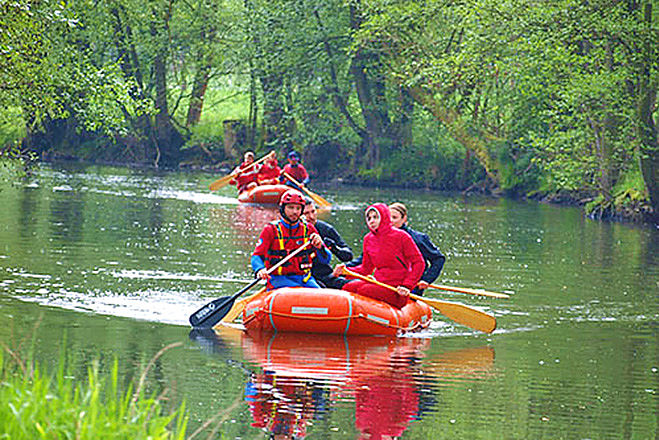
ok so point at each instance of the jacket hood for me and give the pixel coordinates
(385, 217)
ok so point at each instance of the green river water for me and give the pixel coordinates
(102, 263)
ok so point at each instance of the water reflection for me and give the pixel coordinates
(300, 379)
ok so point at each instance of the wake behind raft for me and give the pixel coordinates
(331, 311)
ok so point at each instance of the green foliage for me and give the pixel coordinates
(37, 406)
(14, 164)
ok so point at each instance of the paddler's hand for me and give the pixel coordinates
(316, 241)
(338, 270)
(403, 291)
(263, 274)
(422, 285)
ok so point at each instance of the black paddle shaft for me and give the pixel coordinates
(214, 311)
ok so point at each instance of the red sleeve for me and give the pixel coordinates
(412, 255)
(303, 172)
(265, 239)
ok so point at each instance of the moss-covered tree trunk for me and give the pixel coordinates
(649, 150)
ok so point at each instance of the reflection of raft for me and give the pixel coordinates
(263, 194)
(333, 311)
(327, 357)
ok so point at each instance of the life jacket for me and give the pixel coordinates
(297, 172)
(283, 245)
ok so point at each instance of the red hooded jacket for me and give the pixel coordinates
(392, 253)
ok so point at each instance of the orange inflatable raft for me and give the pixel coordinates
(263, 194)
(301, 309)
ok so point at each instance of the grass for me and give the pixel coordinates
(36, 405)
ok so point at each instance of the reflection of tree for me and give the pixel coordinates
(246, 220)
(66, 212)
(306, 375)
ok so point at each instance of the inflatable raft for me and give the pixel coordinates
(263, 194)
(300, 309)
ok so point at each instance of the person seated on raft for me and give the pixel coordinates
(283, 236)
(294, 169)
(269, 172)
(322, 272)
(432, 256)
(245, 180)
(390, 255)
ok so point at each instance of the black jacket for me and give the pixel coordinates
(431, 255)
(335, 244)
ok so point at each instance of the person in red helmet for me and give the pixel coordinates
(282, 237)
(245, 173)
(390, 255)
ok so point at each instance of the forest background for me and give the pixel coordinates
(553, 100)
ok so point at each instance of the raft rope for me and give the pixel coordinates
(414, 324)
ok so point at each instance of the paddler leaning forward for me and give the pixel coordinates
(283, 236)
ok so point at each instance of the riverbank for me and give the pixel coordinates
(628, 205)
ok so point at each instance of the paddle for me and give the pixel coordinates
(460, 313)
(469, 291)
(239, 306)
(224, 181)
(315, 197)
(214, 311)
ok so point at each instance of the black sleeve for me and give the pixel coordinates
(356, 262)
(339, 246)
(432, 255)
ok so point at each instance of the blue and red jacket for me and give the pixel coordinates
(280, 238)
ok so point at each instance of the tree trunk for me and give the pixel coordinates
(198, 93)
(273, 112)
(167, 139)
(649, 150)
(371, 95)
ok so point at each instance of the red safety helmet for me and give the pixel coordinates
(292, 196)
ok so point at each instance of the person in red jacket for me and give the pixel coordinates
(295, 169)
(282, 237)
(390, 255)
(269, 172)
(245, 173)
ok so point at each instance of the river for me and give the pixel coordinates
(104, 262)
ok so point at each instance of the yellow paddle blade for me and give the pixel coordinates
(239, 306)
(318, 199)
(479, 292)
(462, 314)
(221, 182)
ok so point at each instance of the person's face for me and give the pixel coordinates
(310, 213)
(397, 219)
(293, 211)
(248, 158)
(373, 219)
(292, 160)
